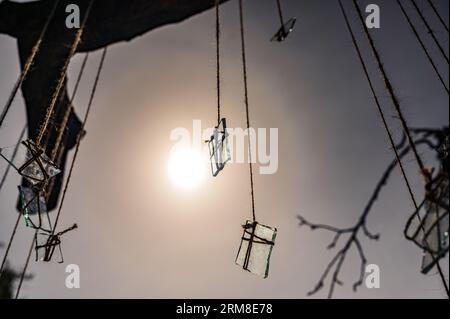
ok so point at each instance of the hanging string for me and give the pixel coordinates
(5, 175)
(406, 129)
(13, 156)
(390, 89)
(280, 12)
(422, 44)
(77, 148)
(430, 31)
(69, 109)
(218, 58)
(438, 15)
(28, 64)
(25, 267)
(62, 76)
(244, 71)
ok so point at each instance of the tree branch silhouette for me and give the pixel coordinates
(360, 228)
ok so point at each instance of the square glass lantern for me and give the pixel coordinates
(284, 30)
(33, 205)
(30, 161)
(47, 246)
(219, 150)
(256, 248)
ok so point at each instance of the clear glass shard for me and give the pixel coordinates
(37, 167)
(33, 206)
(47, 247)
(256, 248)
(219, 150)
(30, 161)
(285, 30)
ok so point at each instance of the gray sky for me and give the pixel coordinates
(140, 236)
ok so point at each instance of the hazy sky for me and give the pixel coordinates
(141, 236)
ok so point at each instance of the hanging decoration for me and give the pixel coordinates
(286, 27)
(256, 247)
(31, 162)
(46, 244)
(33, 207)
(219, 151)
(258, 240)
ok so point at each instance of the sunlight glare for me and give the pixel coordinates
(187, 168)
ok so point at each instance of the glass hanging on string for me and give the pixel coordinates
(284, 30)
(219, 151)
(48, 246)
(31, 162)
(34, 207)
(431, 233)
(256, 248)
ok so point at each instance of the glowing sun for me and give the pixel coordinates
(187, 168)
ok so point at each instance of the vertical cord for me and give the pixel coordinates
(51, 108)
(63, 127)
(280, 13)
(28, 64)
(422, 44)
(218, 59)
(438, 15)
(430, 31)
(25, 267)
(13, 156)
(77, 148)
(244, 69)
(390, 89)
(5, 175)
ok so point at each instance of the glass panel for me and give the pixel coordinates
(285, 30)
(219, 150)
(30, 162)
(436, 225)
(256, 248)
(33, 206)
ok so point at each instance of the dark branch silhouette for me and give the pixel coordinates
(437, 140)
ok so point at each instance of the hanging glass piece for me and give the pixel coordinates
(33, 206)
(428, 227)
(48, 246)
(256, 247)
(436, 224)
(219, 151)
(285, 30)
(31, 162)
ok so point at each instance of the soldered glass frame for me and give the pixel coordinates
(284, 30)
(256, 247)
(219, 149)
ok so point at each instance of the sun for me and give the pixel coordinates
(187, 168)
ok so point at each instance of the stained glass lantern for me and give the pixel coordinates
(285, 30)
(34, 207)
(31, 162)
(219, 150)
(256, 248)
